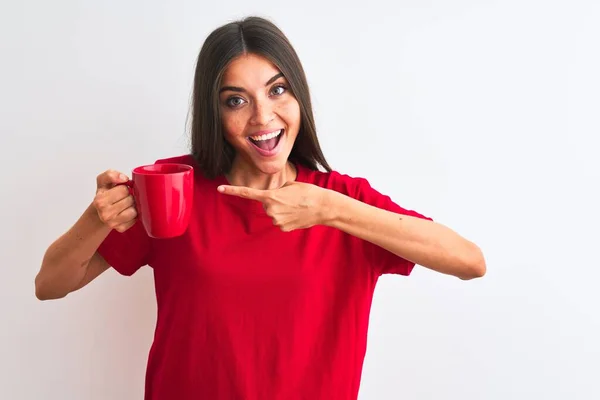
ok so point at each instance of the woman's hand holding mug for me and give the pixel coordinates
(113, 201)
(161, 196)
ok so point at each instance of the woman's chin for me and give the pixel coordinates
(271, 167)
(267, 164)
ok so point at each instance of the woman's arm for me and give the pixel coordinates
(72, 261)
(299, 205)
(421, 241)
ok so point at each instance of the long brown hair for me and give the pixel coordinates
(258, 36)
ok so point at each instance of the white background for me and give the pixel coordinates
(480, 114)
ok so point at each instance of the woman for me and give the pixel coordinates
(267, 294)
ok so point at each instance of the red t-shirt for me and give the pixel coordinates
(246, 311)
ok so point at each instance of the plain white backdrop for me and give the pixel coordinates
(480, 114)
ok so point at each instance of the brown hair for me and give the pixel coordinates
(261, 37)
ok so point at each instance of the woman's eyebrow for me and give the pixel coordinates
(240, 89)
(273, 79)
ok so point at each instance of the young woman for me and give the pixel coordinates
(267, 294)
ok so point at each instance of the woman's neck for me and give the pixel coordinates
(242, 174)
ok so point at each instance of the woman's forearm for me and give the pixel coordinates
(423, 242)
(65, 262)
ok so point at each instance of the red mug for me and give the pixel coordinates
(164, 196)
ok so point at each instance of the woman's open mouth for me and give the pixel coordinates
(268, 143)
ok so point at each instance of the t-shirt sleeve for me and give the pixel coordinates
(128, 251)
(384, 261)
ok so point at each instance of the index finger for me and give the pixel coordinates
(244, 192)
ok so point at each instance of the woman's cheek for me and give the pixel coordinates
(232, 126)
(291, 109)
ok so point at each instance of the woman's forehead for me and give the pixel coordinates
(249, 70)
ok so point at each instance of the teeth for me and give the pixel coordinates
(266, 136)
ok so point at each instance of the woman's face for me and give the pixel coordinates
(260, 115)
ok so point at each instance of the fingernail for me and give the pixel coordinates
(221, 189)
(123, 177)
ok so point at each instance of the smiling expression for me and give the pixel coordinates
(260, 115)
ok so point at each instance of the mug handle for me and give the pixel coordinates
(129, 184)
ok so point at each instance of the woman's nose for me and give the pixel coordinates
(262, 114)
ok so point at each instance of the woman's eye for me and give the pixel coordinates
(278, 90)
(235, 101)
